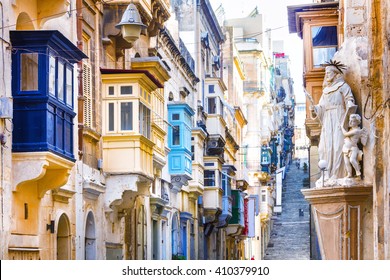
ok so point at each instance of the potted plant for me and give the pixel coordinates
(178, 257)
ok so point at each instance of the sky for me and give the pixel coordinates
(275, 16)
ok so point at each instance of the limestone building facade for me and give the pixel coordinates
(122, 146)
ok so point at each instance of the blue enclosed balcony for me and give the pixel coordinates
(179, 142)
(228, 173)
(266, 153)
(43, 78)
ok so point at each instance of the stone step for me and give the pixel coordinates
(290, 239)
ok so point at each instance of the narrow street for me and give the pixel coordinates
(290, 238)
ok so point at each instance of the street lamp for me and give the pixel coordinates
(322, 164)
(131, 24)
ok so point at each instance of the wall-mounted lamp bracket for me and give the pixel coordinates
(50, 226)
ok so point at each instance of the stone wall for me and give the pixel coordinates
(365, 52)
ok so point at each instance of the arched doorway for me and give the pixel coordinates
(90, 238)
(63, 238)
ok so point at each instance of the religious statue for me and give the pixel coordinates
(335, 100)
(351, 151)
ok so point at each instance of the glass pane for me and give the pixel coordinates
(29, 74)
(69, 87)
(176, 135)
(60, 83)
(187, 137)
(209, 178)
(111, 90)
(321, 55)
(52, 75)
(125, 90)
(147, 123)
(324, 36)
(127, 116)
(111, 117)
(175, 117)
(211, 89)
(144, 120)
(211, 106)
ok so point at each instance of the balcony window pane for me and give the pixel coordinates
(212, 108)
(321, 55)
(144, 120)
(176, 135)
(187, 137)
(126, 90)
(226, 184)
(111, 90)
(209, 178)
(324, 36)
(324, 41)
(29, 75)
(175, 117)
(69, 87)
(127, 116)
(111, 117)
(60, 81)
(211, 89)
(52, 75)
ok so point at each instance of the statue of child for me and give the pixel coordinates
(351, 151)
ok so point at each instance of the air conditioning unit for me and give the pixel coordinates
(6, 108)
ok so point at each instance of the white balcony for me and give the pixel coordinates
(212, 203)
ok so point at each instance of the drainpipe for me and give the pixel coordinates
(197, 54)
(80, 97)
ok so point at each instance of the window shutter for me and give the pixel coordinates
(87, 92)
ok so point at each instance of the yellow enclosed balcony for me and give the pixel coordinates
(127, 114)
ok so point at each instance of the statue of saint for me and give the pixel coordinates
(336, 98)
(351, 151)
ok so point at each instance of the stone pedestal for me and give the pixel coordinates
(341, 215)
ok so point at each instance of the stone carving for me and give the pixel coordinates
(352, 153)
(336, 98)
